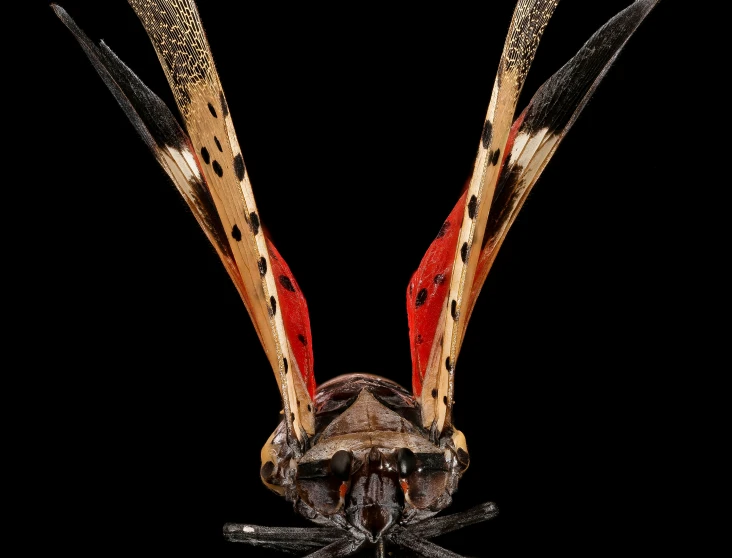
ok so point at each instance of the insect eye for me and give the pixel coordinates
(406, 462)
(340, 465)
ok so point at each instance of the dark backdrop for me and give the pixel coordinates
(358, 127)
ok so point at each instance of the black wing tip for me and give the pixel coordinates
(60, 12)
(68, 21)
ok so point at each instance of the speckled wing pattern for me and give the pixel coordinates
(508, 164)
(543, 124)
(175, 29)
(206, 165)
(529, 20)
(162, 134)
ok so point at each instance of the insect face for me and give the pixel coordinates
(371, 466)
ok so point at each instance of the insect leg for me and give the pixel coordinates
(423, 547)
(290, 539)
(437, 526)
(338, 549)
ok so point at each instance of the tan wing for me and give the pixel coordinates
(527, 26)
(174, 26)
(162, 134)
(536, 134)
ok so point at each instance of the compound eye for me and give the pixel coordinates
(406, 462)
(340, 465)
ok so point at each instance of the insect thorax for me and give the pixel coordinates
(370, 465)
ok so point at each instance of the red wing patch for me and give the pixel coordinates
(427, 292)
(295, 317)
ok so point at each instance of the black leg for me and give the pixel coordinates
(289, 539)
(338, 549)
(436, 526)
(423, 547)
(324, 542)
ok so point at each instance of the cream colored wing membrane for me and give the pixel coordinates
(174, 26)
(527, 26)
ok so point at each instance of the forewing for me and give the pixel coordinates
(207, 167)
(175, 28)
(161, 132)
(543, 124)
(437, 373)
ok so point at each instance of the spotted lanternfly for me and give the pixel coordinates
(367, 460)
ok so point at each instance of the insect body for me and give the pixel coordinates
(366, 459)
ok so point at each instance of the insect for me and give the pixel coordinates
(380, 483)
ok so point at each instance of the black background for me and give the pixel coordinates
(358, 126)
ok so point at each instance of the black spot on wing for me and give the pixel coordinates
(421, 298)
(471, 207)
(205, 156)
(272, 306)
(487, 135)
(447, 363)
(239, 167)
(236, 233)
(212, 110)
(453, 309)
(254, 222)
(302, 339)
(287, 365)
(286, 283)
(217, 169)
(464, 252)
(496, 156)
(418, 340)
(292, 417)
(434, 393)
(444, 400)
(262, 266)
(309, 408)
(218, 144)
(224, 106)
(443, 229)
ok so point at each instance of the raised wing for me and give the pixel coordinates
(433, 376)
(544, 123)
(438, 317)
(207, 167)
